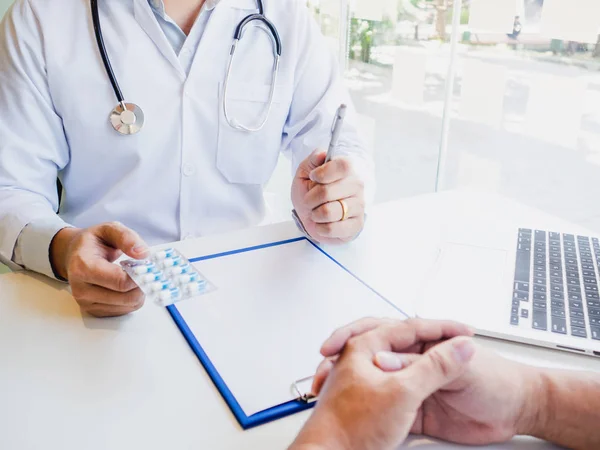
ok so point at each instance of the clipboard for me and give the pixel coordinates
(302, 399)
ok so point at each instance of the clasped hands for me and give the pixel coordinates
(382, 379)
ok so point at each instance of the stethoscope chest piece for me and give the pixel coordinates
(127, 118)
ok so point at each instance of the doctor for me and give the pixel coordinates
(159, 130)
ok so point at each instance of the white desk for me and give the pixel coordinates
(73, 382)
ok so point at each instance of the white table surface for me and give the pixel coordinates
(69, 381)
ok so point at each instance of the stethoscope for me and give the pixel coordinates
(128, 118)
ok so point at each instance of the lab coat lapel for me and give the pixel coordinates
(216, 41)
(145, 17)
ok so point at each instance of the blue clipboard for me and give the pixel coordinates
(276, 412)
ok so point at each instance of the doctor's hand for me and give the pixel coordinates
(364, 407)
(318, 191)
(84, 257)
(491, 400)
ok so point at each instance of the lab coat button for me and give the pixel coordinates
(188, 170)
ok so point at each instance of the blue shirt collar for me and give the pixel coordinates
(159, 7)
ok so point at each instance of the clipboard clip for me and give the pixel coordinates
(306, 397)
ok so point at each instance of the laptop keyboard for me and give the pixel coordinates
(556, 283)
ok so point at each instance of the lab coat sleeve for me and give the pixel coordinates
(318, 92)
(33, 146)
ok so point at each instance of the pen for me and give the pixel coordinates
(338, 121)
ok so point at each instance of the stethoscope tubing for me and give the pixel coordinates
(123, 106)
(104, 54)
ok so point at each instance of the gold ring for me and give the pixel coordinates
(344, 210)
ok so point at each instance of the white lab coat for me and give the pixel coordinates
(187, 173)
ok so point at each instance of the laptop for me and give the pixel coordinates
(533, 286)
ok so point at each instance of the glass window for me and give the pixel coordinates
(523, 112)
(525, 106)
(396, 67)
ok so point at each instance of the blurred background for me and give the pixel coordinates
(523, 112)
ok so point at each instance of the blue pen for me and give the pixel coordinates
(336, 129)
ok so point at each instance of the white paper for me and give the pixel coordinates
(571, 20)
(409, 76)
(555, 109)
(273, 308)
(482, 92)
(493, 16)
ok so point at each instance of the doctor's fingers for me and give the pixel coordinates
(345, 231)
(333, 211)
(88, 269)
(335, 170)
(101, 310)
(324, 193)
(92, 298)
(117, 235)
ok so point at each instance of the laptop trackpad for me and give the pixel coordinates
(467, 285)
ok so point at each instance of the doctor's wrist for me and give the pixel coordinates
(59, 249)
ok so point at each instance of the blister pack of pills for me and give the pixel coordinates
(167, 277)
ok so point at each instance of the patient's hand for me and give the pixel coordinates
(468, 394)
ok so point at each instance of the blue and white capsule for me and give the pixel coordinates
(151, 277)
(170, 262)
(179, 270)
(170, 295)
(188, 278)
(160, 285)
(196, 287)
(165, 253)
(144, 268)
